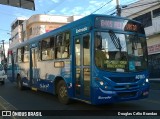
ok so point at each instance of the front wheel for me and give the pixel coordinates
(62, 92)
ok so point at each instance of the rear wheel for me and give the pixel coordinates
(62, 92)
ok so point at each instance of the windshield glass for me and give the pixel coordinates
(120, 52)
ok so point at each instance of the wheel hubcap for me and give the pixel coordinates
(63, 91)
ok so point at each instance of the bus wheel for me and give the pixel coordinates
(62, 92)
(19, 83)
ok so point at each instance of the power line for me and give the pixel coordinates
(142, 4)
(56, 5)
(124, 10)
(101, 6)
(4, 30)
(8, 14)
(110, 11)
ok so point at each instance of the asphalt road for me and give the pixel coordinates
(11, 98)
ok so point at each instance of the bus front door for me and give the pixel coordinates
(34, 70)
(82, 66)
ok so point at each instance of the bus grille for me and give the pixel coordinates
(127, 94)
(123, 79)
(124, 87)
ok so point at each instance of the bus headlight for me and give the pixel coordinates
(101, 83)
(147, 80)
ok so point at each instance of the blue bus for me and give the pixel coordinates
(97, 59)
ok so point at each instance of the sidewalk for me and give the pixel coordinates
(154, 79)
(154, 83)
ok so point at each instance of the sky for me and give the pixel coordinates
(55, 7)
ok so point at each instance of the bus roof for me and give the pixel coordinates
(65, 27)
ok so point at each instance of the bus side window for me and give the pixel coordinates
(58, 47)
(39, 51)
(52, 45)
(46, 49)
(20, 55)
(26, 54)
(65, 45)
(62, 45)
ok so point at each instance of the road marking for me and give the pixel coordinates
(4, 105)
(152, 101)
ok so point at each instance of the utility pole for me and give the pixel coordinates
(118, 7)
(3, 49)
(4, 61)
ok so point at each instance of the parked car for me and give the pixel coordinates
(3, 75)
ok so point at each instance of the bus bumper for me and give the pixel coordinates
(104, 97)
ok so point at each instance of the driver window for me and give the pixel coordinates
(98, 42)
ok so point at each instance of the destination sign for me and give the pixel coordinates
(118, 24)
(116, 64)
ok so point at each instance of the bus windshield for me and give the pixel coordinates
(120, 52)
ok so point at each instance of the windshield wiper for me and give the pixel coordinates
(115, 40)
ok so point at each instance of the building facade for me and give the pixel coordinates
(16, 31)
(148, 13)
(24, 29)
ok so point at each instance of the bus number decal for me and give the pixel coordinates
(140, 76)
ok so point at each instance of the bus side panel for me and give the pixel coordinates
(44, 74)
(48, 71)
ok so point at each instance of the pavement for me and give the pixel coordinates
(154, 83)
(154, 79)
(4, 105)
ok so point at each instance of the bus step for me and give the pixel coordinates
(34, 89)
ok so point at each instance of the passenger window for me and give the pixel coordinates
(20, 55)
(65, 46)
(58, 47)
(86, 50)
(26, 54)
(62, 45)
(47, 49)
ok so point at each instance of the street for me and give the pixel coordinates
(11, 98)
